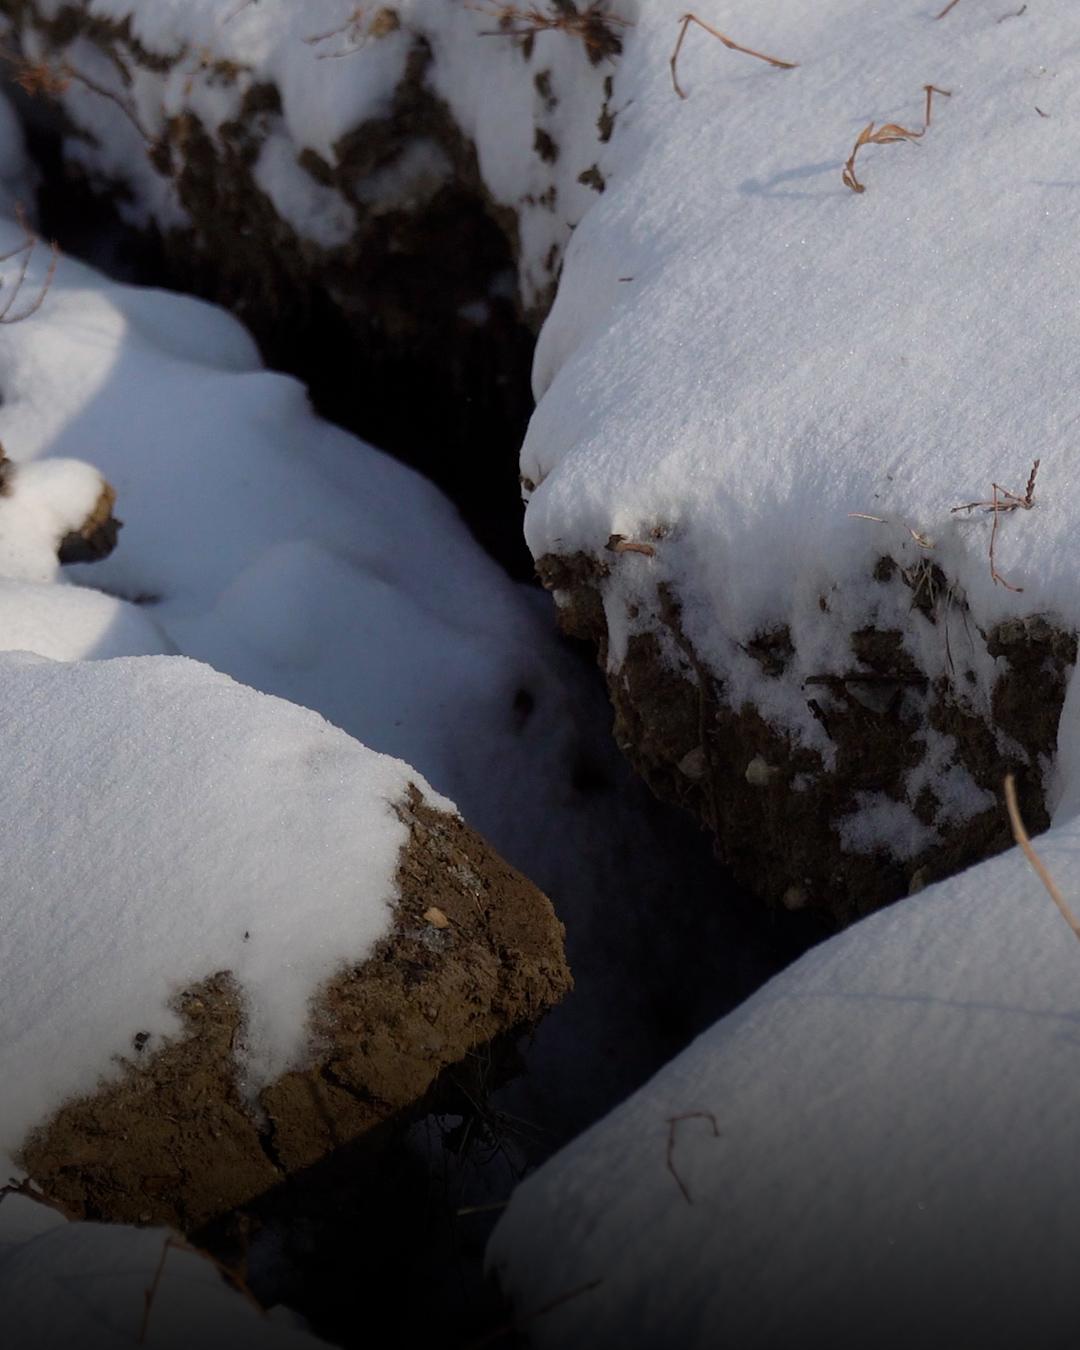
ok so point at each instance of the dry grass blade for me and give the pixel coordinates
(950, 5)
(1020, 834)
(687, 20)
(25, 252)
(38, 77)
(173, 1242)
(1002, 501)
(595, 24)
(888, 134)
(931, 90)
(673, 1124)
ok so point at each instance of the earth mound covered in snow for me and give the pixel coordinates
(876, 1149)
(234, 938)
(109, 1287)
(798, 324)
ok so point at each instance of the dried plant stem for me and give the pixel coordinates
(687, 20)
(673, 1124)
(173, 1242)
(888, 134)
(26, 249)
(945, 11)
(931, 90)
(1020, 834)
(1002, 501)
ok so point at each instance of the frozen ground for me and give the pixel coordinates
(769, 380)
(174, 824)
(878, 1148)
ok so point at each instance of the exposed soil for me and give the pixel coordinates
(475, 954)
(772, 806)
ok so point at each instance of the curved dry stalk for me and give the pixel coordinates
(1020, 834)
(26, 249)
(888, 134)
(1002, 501)
(687, 20)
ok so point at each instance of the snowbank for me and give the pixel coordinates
(174, 824)
(878, 1148)
(773, 388)
(275, 547)
(87, 1284)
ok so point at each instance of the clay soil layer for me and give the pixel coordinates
(772, 805)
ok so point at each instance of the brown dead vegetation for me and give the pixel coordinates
(889, 134)
(687, 20)
(24, 252)
(596, 25)
(1001, 502)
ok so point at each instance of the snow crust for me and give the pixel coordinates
(788, 352)
(280, 550)
(780, 378)
(65, 1284)
(174, 824)
(894, 1160)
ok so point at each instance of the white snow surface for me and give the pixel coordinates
(288, 554)
(894, 1161)
(173, 824)
(64, 1284)
(744, 356)
(787, 352)
(70, 623)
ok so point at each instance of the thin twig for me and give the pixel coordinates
(688, 19)
(889, 134)
(174, 1242)
(1020, 834)
(26, 248)
(150, 1293)
(931, 90)
(1002, 501)
(946, 9)
(673, 1123)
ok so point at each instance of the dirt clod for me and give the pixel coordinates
(175, 1138)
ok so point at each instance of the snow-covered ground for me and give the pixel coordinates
(767, 380)
(173, 824)
(877, 1148)
(104, 1288)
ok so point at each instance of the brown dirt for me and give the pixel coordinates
(174, 1140)
(782, 842)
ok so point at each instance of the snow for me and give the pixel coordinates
(895, 1160)
(71, 623)
(173, 824)
(744, 354)
(39, 505)
(788, 352)
(281, 550)
(785, 380)
(64, 1284)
